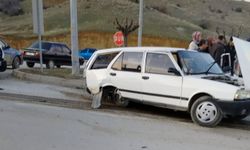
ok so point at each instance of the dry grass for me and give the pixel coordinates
(171, 19)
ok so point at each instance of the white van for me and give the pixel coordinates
(167, 77)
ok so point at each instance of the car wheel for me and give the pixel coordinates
(16, 63)
(119, 100)
(206, 112)
(58, 66)
(50, 64)
(30, 64)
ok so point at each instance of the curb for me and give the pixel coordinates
(67, 103)
(73, 83)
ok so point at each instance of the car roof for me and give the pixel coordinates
(136, 49)
(51, 42)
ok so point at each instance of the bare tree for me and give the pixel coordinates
(126, 28)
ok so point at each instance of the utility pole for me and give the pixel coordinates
(140, 23)
(38, 26)
(74, 38)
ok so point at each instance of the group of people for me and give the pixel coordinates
(216, 47)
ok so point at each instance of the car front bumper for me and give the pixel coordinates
(235, 108)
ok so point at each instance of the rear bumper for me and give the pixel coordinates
(31, 59)
(235, 108)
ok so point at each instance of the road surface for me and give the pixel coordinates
(36, 127)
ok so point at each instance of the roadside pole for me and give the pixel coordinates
(140, 23)
(74, 38)
(40, 49)
(38, 25)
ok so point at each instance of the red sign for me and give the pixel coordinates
(118, 38)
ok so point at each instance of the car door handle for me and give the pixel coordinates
(113, 74)
(145, 77)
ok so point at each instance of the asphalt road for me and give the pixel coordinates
(12, 86)
(29, 126)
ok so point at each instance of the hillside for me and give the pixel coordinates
(175, 19)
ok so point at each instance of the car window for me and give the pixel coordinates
(198, 63)
(158, 63)
(91, 50)
(45, 45)
(102, 61)
(118, 63)
(84, 51)
(129, 61)
(55, 49)
(65, 50)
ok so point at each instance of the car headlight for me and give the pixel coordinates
(242, 94)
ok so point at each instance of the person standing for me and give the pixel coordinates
(231, 50)
(219, 48)
(203, 46)
(196, 37)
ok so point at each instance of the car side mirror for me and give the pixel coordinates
(174, 71)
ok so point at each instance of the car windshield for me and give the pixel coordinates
(45, 45)
(198, 63)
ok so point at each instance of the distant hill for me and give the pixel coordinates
(162, 18)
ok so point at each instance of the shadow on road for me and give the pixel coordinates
(163, 113)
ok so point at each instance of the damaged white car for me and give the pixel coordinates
(167, 77)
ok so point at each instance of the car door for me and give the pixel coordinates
(52, 54)
(125, 74)
(8, 55)
(66, 55)
(160, 85)
(96, 70)
(7, 52)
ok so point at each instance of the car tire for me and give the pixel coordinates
(119, 100)
(206, 112)
(58, 66)
(16, 63)
(50, 64)
(30, 64)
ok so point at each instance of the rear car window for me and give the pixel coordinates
(102, 61)
(45, 45)
(129, 61)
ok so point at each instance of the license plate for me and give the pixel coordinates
(30, 54)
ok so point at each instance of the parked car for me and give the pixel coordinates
(3, 64)
(167, 77)
(54, 54)
(87, 53)
(13, 57)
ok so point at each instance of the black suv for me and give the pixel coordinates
(54, 54)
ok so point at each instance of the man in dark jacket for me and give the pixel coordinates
(218, 49)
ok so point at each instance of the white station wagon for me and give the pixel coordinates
(167, 77)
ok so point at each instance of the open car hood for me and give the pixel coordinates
(243, 53)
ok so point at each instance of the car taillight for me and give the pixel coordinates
(37, 54)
